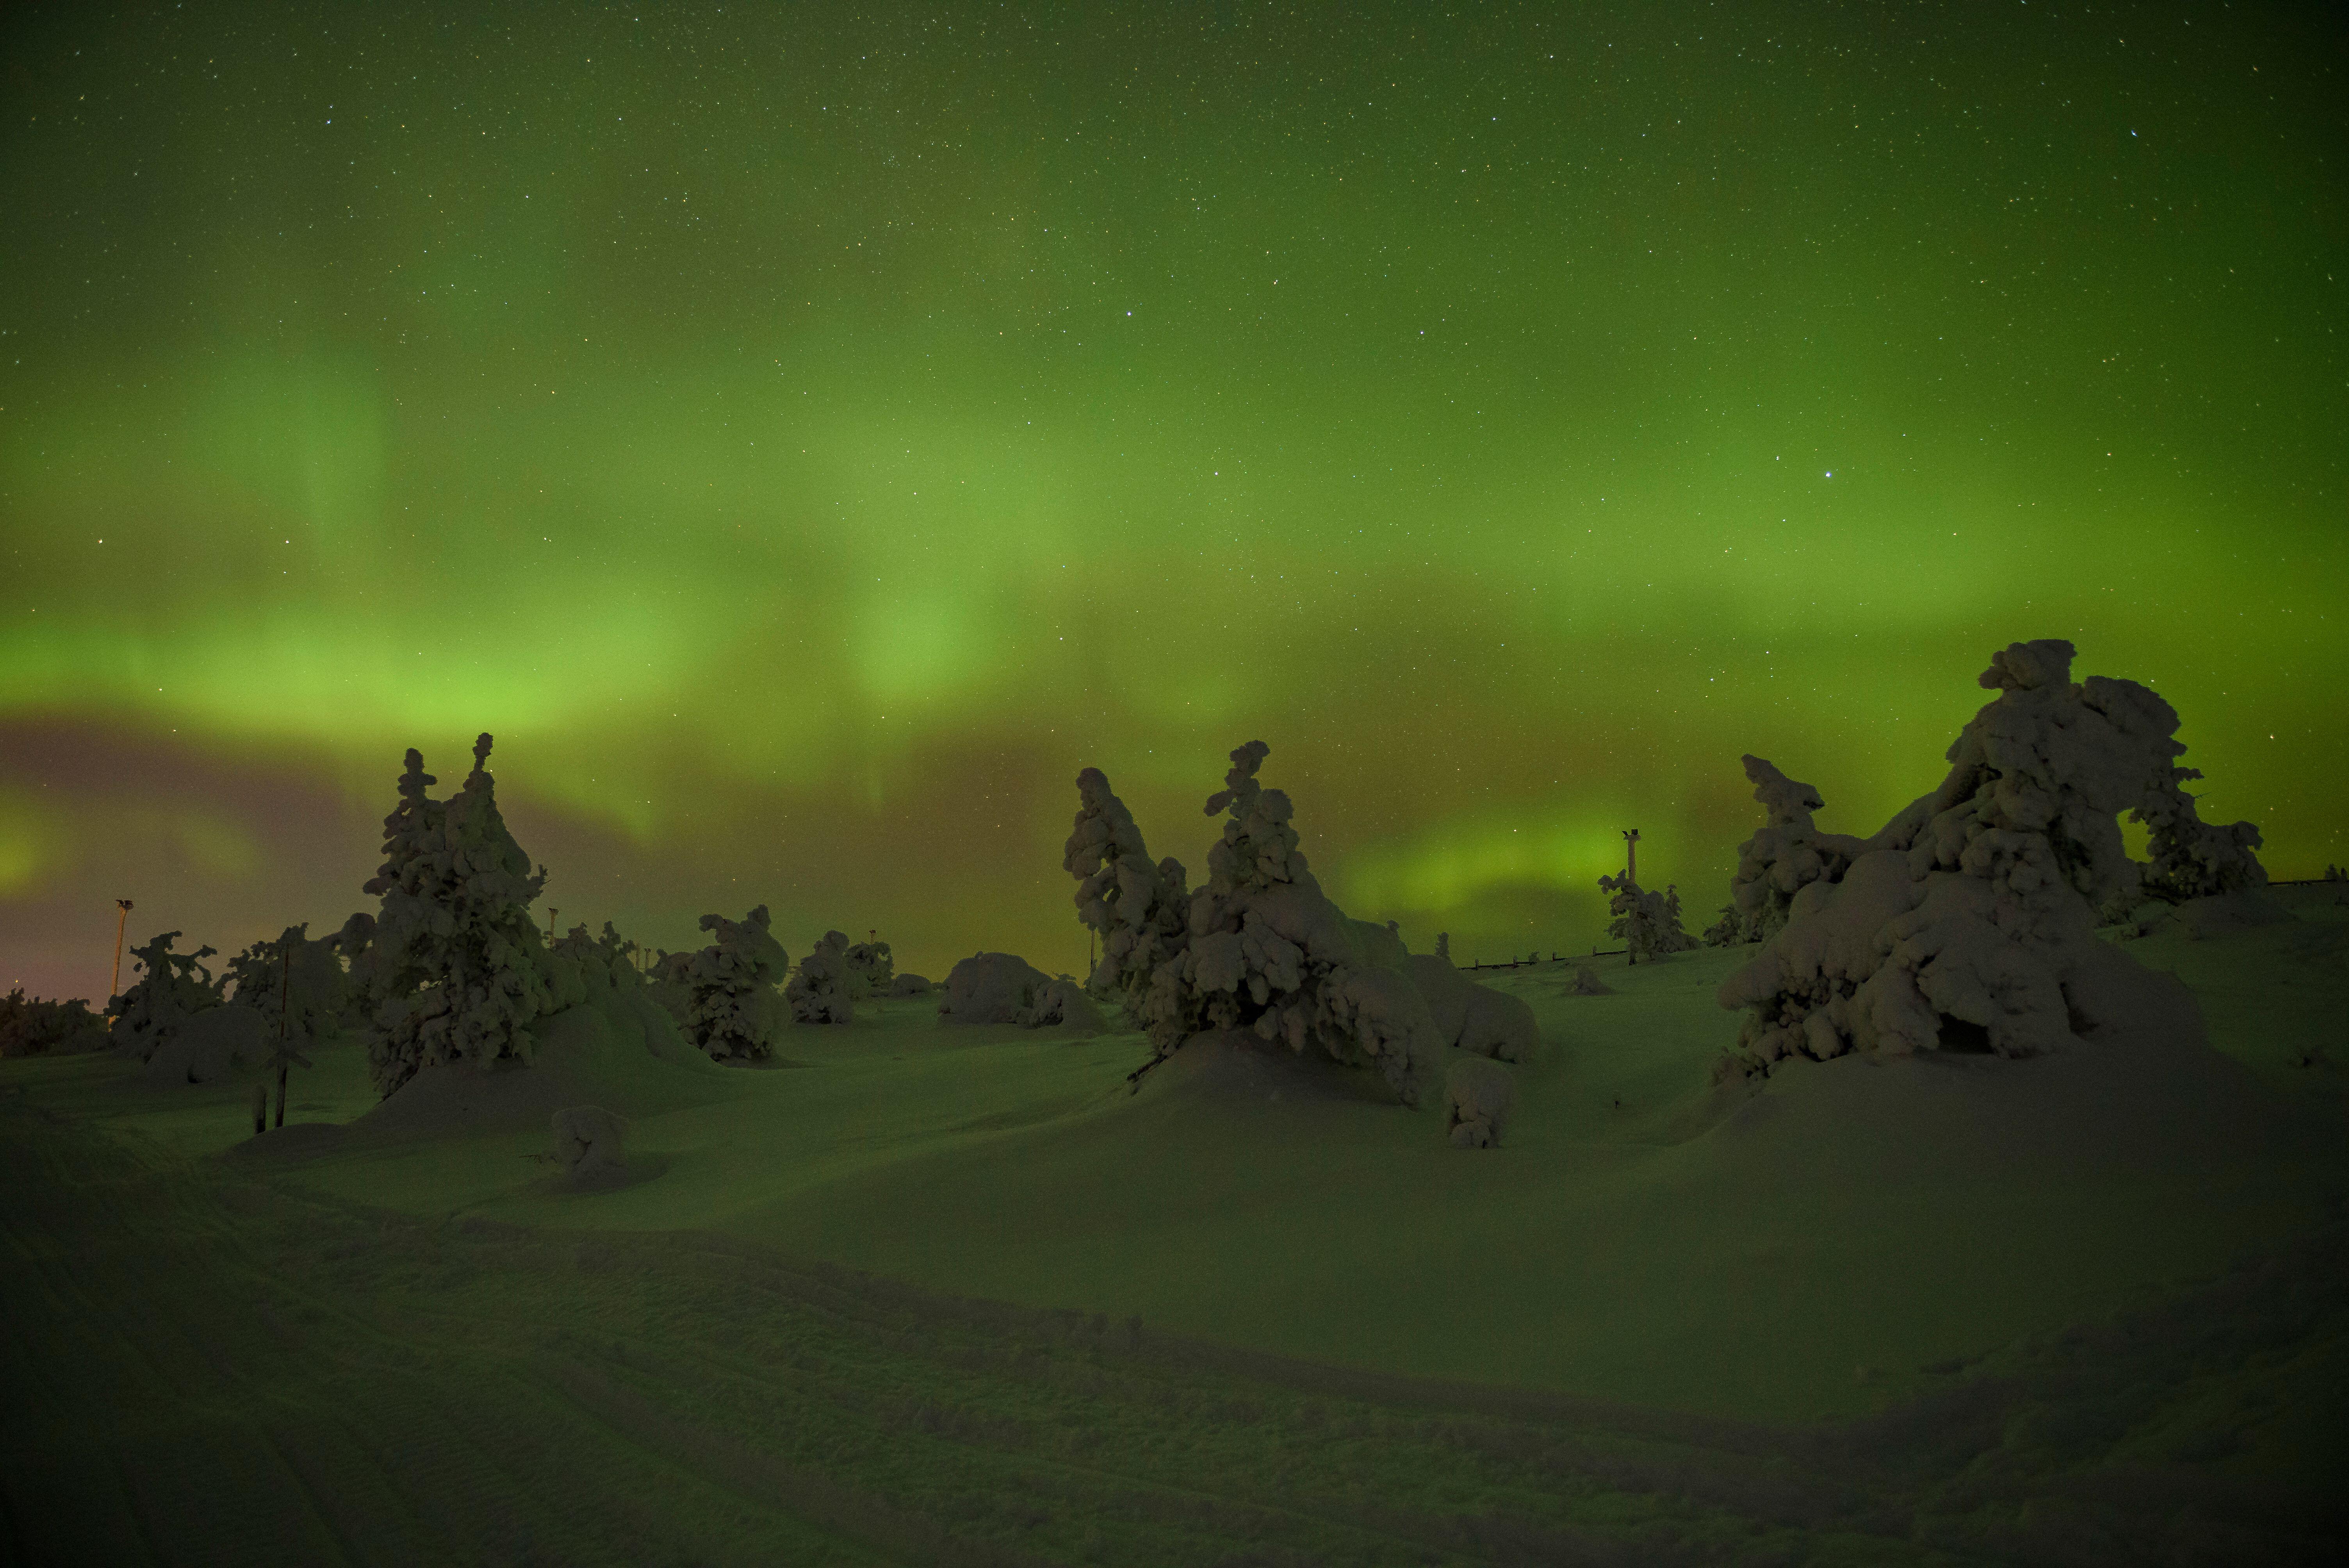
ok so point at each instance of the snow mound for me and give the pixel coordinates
(211, 1046)
(1472, 1016)
(1004, 988)
(588, 1141)
(1478, 1093)
(629, 1060)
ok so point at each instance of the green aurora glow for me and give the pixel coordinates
(806, 440)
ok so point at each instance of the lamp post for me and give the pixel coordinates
(114, 986)
(1632, 886)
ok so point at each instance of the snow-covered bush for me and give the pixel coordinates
(1259, 947)
(1969, 921)
(1478, 1093)
(871, 970)
(736, 1013)
(910, 986)
(32, 1026)
(464, 967)
(818, 993)
(174, 988)
(1786, 855)
(1648, 922)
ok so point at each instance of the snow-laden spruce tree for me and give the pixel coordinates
(1263, 949)
(1969, 920)
(1649, 924)
(465, 966)
(1141, 911)
(2191, 858)
(173, 987)
(736, 1013)
(1786, 855)
(605, 962)
(818, 992)
(871, 970)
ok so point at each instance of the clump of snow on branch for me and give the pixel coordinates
(173, 987)
(1649, 924)
(1968, 921)
(735, 1011)
(818, 993)
(464, 966)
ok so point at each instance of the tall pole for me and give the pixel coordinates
(1632, 879)
(284, 1019)
(114, 986)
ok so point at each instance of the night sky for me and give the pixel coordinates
(806, 435)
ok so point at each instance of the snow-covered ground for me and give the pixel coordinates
(920, 1295)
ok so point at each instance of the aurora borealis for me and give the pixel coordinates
(805, 437)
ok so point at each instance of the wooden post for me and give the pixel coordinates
(285, 1019)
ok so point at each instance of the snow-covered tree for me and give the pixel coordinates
(1262, 949)
(871, 970)
(33, 1027)
(1786, 855)
(465, 964)
(1968, 919)
(1649, 924)
(2191, 858)
(174, 988)
(607, 960)
(259, 974)
(818, 993)
(367, 982)
(1141, 911)
(736, 1013)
